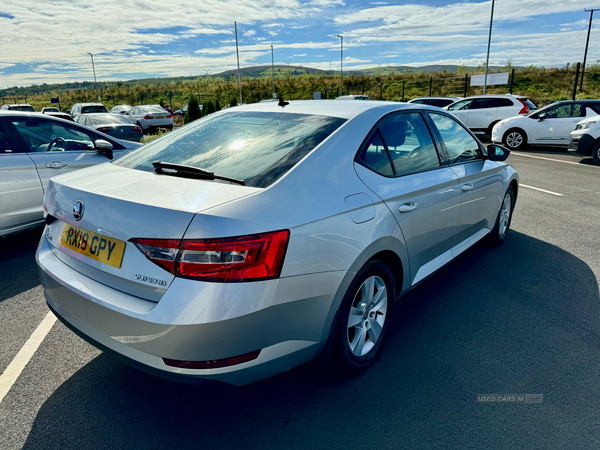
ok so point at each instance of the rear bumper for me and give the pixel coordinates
(288, 333)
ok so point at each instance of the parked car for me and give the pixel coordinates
(481, 113)
(440, 102)
(236, 247)
(150, 118)
(182, 111)
(17, 107)
(114, 125)
(353, 97)
(550, 125)
(585, 139)
(166, 108)
(50, 109)
(121, 109)
(35, 147)
(59, 115)
(87, 108)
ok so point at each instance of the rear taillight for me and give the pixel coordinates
(137, 130)
(104, 129)
(243, 258)
(525, 108)
(169, 116)
(148, 117)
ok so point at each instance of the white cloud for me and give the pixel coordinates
(273, 33)
(272, 25)
(327, 3)
(249, 33)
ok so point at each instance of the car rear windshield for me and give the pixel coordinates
(529, 103)
(258, 147)
(93, 109)
(153, 110)
(110, 119)
(22, 108)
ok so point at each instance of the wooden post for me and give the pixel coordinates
(576, 80)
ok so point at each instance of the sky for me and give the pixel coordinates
(47, 41)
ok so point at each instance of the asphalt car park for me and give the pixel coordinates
(522, 319)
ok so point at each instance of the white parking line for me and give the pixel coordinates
(14, 369)
(547, 159)
(541, 190)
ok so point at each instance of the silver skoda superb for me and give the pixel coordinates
(236, 247)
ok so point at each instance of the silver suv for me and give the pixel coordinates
(482, 112)
(18, 107)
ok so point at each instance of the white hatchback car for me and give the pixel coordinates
(150, 117)
(549, 126)
(585, 139)
(482, 112)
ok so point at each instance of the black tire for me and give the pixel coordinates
(344, 335)
(596, 153)
(498, 234)
(514, 139)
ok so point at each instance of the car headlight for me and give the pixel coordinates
(585, 126)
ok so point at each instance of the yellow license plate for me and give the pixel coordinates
(96, 246)
(159, 117)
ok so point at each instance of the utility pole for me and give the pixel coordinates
(238, 61)
(94, 69)
(591, 11)
(487, 59)
(341, 63)
(273, 68)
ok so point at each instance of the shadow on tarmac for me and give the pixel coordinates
(18, 270)
(520, 319)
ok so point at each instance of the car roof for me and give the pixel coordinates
(438, 98)
(333, 108)
(89, 104)
(17, 104)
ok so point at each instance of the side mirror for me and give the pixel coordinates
(542, 116)
(104, 147)
(497, 152)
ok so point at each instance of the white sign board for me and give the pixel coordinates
(317, 96)
(492, 78)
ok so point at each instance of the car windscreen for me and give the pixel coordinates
(93, 109)
(22, 108)
(258, 147)
(110, 119)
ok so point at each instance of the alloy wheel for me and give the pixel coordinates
(514, 139)
(505, 215)
(367, 316)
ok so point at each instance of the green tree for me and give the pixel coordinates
(217, 105)
(210, 107)
(193, 111)
(233, 102)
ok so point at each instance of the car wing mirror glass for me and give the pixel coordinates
(497, 152)
(104, 147)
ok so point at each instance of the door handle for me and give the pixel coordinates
(407, 207)
(467, 187)
(56, 165)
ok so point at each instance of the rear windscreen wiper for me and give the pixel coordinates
(180, 170)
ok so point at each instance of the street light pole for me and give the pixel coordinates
(273, 68)
(238, 61)
(487, 60)
(341, 63)
(94, 69)
(591, 11)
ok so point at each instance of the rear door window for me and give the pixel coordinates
(407, 142)
(464, 104)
